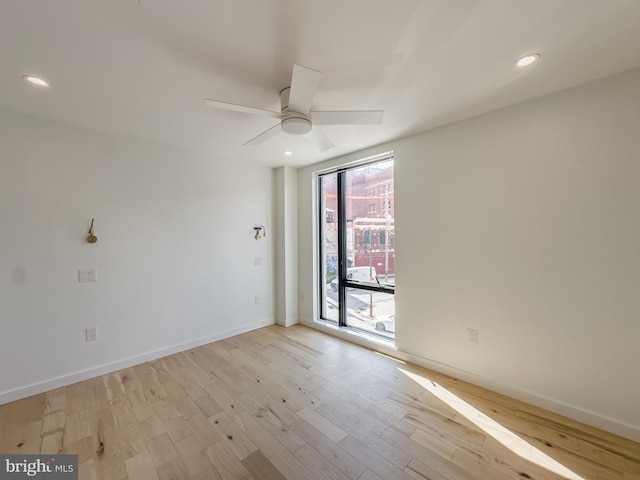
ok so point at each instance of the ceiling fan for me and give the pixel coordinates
(296, 116)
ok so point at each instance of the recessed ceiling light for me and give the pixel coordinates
(527, 60)
(288, 153)
(37, 81)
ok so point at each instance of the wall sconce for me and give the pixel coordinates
(260, 232)
(91, 238)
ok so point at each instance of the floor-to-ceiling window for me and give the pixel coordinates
(357, 246)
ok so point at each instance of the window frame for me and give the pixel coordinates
(343, 282)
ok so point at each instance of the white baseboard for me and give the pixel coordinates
(75, 377)
(594, 419)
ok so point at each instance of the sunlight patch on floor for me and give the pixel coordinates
(500, 433)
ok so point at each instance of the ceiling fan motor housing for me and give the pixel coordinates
(293, 123)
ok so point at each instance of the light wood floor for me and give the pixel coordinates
(297, 404)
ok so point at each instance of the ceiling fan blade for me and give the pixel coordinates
(319, 139)
(264, 136)
(304, 83)
(241, 108)
(354, 117)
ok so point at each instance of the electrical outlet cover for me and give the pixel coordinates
(91, 334)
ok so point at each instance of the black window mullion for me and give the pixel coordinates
(321, 227)
(369, 286)
(342, 250)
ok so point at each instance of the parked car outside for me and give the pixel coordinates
(385, 323)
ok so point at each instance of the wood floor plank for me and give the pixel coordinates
(433, 444)
(226, 462)
(162, 449)
(143, 410)
(109, 458)
(435, 468)
(346, 415)
(336, 392)
(217, 392)
(480, 468)
(17, 415)
(292, 375)
(173, 470)
(337, 456)
(203, 430)
(87, 470)
(347, 419)
(369, 475)
(449, 430)
(306, 397)
(372, 459)
(260, 467)
(276, 427)
(299, 365)
(177, 428)
(325, 470)
(236, 439)
(586, 433)
(208, 407)
(322, 424)
(116, 393)
(141, 467)
(54, 422)
(78, 426)
(26, 439)
(295, 403)
(423, 403)
(291, 401)
(85, 448)
(151, 427)
(411, 447)
(280, 407)
(52, 443)
(130, 437)
(219, 369)
(193, 457)
(385, 449)
(56, 403)
(381, 414)
(284, 461)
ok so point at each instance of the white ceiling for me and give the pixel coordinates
(144, 69)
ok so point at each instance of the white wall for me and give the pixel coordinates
(525, 225)
(175, 252)
(286, 207)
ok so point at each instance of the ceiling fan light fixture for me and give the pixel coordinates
(296, 125)
(528, 59)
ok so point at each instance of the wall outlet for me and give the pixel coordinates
(91, 334)
(257, 300)
(88, 275)
(472, 335)
(257, 261)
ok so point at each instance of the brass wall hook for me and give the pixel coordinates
(91, 238)
(260, 232)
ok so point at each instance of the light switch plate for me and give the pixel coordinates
(88, 275)
(472, 335)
